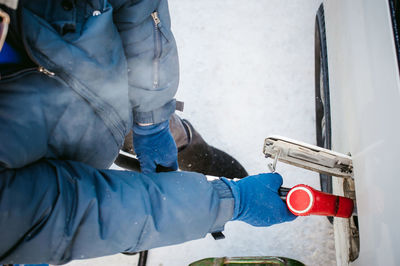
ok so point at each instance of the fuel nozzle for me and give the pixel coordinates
(303, 200)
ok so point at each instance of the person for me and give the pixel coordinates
(76, 78)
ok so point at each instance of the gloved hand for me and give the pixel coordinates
(257, 201)
(154, 145)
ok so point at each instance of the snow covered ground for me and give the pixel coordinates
(247, 71)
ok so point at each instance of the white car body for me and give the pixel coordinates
(365, 119)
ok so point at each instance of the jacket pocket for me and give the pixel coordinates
(160, 33)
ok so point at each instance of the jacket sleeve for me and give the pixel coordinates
(57, 211)
(150, 49)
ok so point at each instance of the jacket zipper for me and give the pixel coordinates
(157, 52)
(26, 71)
(40, 68)
(18, 73)
(46, 72)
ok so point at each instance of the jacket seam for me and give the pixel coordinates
(140, 239)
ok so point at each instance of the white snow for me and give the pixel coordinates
(247, 71)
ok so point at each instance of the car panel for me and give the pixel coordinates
(365, 108)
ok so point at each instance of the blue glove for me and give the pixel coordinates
(154, 145)
(257, 201)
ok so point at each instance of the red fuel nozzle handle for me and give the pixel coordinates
(303, 200)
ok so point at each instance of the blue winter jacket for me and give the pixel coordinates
(95, 67)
